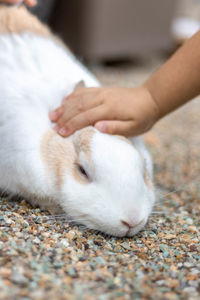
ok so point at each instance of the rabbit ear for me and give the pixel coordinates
(79, 85)
(19, 19)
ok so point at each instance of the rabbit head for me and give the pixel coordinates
(102, 182)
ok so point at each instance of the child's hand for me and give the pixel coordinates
(27, 2)
(123, 111)
(131, 112)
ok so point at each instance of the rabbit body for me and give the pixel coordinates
(101, 181)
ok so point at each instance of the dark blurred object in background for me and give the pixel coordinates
(43, 9)
(113, 29)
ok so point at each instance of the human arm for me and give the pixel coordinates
(178, 80)
(133, 111)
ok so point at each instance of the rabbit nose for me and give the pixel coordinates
(131, 224)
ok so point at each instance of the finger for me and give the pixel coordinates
(125, 128)
(56, 114)
(83, 120)
(81, 92)
(76, 107)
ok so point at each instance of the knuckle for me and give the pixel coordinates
(105, 96)
(89, 119)
(80, 106)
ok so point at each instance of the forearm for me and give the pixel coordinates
(178, 80)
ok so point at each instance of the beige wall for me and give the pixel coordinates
(189, 8)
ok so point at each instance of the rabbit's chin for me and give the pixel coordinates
(118, 232)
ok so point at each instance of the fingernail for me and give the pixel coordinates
(101, 126)
(63, 131)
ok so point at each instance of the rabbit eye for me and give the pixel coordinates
(82, 171)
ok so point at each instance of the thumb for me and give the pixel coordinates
(125, 128)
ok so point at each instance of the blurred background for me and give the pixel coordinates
(107, 30)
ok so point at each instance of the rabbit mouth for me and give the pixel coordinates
(134, 230)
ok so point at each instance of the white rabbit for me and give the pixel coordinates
(101, 181)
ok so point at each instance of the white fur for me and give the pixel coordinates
(35, 75)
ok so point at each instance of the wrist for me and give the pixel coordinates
(153, 109)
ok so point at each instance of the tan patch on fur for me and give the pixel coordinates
(61, 156)
(18, 20)
(82, 141)
(57, 153)
(147, 179)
